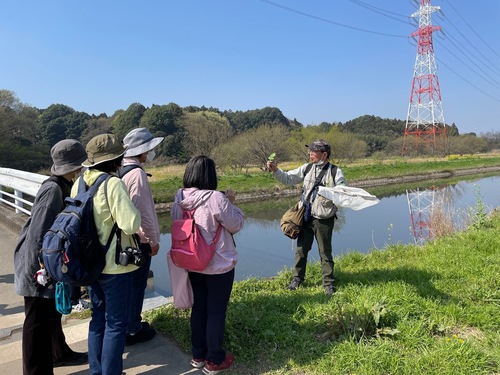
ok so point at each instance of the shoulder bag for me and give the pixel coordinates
(291, 222)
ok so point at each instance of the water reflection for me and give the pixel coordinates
(264, 250)
(438, 211)
(420, 204)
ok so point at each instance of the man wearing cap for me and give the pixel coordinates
(110, 293)
(319, 216)
(43, 343)
(140, 144)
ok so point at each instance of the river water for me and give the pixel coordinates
(400, 217)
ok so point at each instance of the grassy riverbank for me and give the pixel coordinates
(166, 180)
(433, 309)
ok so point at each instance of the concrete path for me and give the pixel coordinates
(158, 356)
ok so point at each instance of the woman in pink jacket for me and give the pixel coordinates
(212, 286)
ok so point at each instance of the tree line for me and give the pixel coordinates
(235, 139)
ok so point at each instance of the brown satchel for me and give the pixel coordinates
(291, 222)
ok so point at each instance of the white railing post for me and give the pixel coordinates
(18, 202)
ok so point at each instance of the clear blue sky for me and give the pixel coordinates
(308, 58)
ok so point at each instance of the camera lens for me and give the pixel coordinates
(138, 260)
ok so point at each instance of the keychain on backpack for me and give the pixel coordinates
(41, 277)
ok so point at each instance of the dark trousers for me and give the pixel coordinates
(208, 315)
(43, 336)
(322, 230)
(139, 284)
(75, 295)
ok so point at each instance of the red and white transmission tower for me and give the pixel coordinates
(425, 120)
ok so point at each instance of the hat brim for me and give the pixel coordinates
(102, 159)
(148, 146)
(61, 170)
(313, 148)
(316, 148)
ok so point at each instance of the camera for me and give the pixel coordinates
(131, 255)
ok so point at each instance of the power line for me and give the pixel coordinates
(474, 31)
(383, 12)
(490, 79)
(464, 49)
(472, 44)
(329, 21)
(470, 83)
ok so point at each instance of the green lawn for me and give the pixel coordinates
(433, 309)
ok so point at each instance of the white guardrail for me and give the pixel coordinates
(23, 184)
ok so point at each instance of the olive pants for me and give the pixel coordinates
(322, 230)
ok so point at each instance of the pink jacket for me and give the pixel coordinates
(212, 207)
(140, 193)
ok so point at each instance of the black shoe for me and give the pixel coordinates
(73, 359)
(294, 284)
(145, 334)
(330, 289)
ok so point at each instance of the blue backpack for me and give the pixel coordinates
(71, 251)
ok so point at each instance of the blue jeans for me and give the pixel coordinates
(139, 284)
(109, 301)
(208, 315)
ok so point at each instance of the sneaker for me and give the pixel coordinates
(145, 334)
(80, 306)
(73, 359)
(212, 368)
(330, 289)
(294, 284)
(85, 294)
(197, 363)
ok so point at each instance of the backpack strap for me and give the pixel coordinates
(54, 179)
(321, 174)
(318, 179)
(59, 183)
(115, 228)
(333, 166)
(188, 214)
(217, 235)
(82, 186)
(308, 168)
(127, 168)
(334, 173)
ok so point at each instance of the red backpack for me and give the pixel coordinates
(189, 249)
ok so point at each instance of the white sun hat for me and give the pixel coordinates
(140, 141)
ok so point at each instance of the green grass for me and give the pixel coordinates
(169, 180)
(433, 309)
(402, 167)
